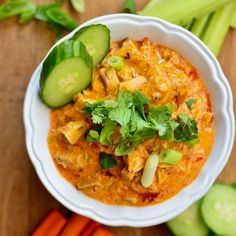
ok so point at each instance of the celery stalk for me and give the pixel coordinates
(218, 27)
(199, 25)
(233, 21)
(181, 11)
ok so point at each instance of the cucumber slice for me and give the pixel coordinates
(188, 223)
(96, 38)
(66, 71)
(219, 209)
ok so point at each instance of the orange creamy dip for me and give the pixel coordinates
(164, 76)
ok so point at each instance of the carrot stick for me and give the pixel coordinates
(90, 228)
(102, 232)
(51, 225)
(75, 225)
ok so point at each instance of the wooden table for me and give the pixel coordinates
(23, 199)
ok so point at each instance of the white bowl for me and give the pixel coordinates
(36, 119)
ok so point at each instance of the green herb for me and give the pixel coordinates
(41, 13)
(136, 121)
(107, 161)
(107, 131)
(190, 102)
(129, 7)
(78, 5)
(12, 8)
(92, 136)
(187, 129)
(28, 15)
(56, 15)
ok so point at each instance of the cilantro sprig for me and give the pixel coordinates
(137, 121)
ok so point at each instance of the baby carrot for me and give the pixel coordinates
(91, 227)
(75, 225)
(51, 225)
(102, 232)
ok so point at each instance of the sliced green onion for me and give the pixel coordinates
(78, 5)
(170, 156)
(116, 62)
(149, 170)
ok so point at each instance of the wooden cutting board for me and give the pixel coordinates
(23, 199)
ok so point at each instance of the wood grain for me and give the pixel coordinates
(23, 199)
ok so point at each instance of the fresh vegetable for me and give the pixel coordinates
(129, 7)
(96, 38)
(78, 5)
(190, 102)
(188, 223)
(233, 21)
(218, 27)
(107, 161)
(219, 209)
(135, 125)
(90, 228)
(51, 225)
(116, 62)
(102, 232)
(66, 71)
(58, 16)
(187, 129)
(75, 225)
(41, 12)
(92, 136)
(170, 156)
(199, 25)
(181, 12)
(149, 170)
(28, 15)
(12, 8)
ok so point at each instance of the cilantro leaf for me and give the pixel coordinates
(107, 131)
(170, 128)
(125, 147)
(129, 6)
(158, 117)
(190, 102)
(99, 110)
(125, 99)
(187, 129)
(139, 101)
(120, 115)
(107, 161)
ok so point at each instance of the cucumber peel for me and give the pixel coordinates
(96, 38)
(66, 71)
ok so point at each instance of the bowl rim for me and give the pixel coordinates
(118, 221)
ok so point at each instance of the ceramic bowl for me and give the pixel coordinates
(36, 120)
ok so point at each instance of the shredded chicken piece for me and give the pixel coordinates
(110, 79)
(133, 84)
(73, 130)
